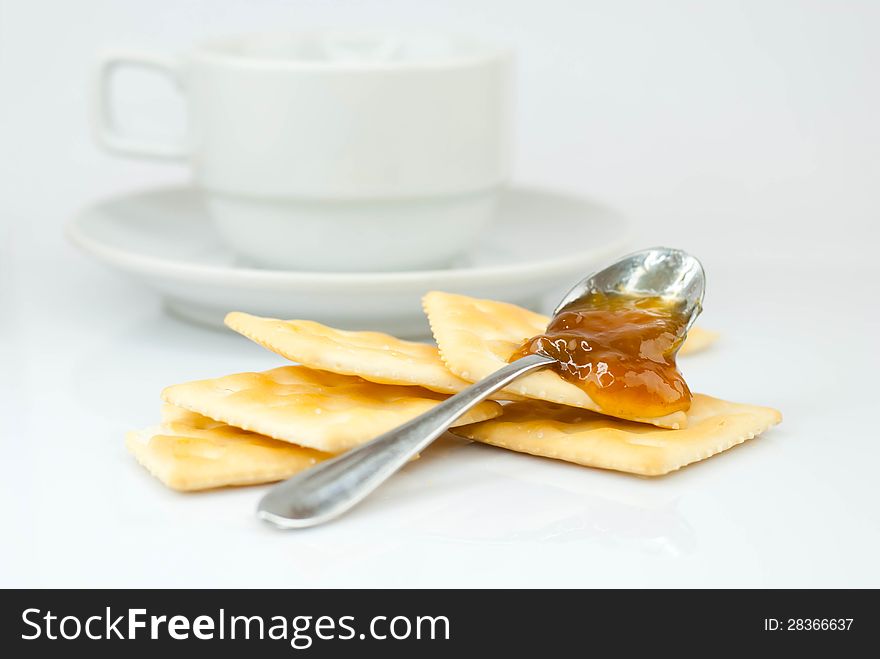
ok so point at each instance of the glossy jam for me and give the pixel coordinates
(621, 351)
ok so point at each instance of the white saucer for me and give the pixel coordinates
(541, 242)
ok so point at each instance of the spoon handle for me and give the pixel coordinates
(326, 491)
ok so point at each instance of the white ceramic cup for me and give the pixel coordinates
(335, 150)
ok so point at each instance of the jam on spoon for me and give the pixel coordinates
(620, 349)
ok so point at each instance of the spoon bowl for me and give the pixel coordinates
(657, 272)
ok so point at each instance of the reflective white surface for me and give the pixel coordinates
(744, 132)
(799, 506)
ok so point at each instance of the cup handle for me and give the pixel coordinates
(106, 132)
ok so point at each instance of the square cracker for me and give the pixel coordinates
(594, 440)
(317, 409)
(373, 356)
(477, 337)
(192, 452)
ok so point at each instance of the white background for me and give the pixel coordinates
(747, 132)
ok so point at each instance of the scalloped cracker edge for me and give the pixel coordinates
(594, 440)
(189, 451)
(315, 409)
(374, 356)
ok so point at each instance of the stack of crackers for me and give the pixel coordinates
(346, 388)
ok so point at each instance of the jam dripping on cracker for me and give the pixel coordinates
(621, 351)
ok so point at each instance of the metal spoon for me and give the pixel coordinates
(326, 491)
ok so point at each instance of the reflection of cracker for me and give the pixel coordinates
(594, 440)
(192, 452)
(373, 356)
(477, 337)
(321, 410)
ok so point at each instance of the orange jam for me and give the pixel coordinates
(621, 351)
